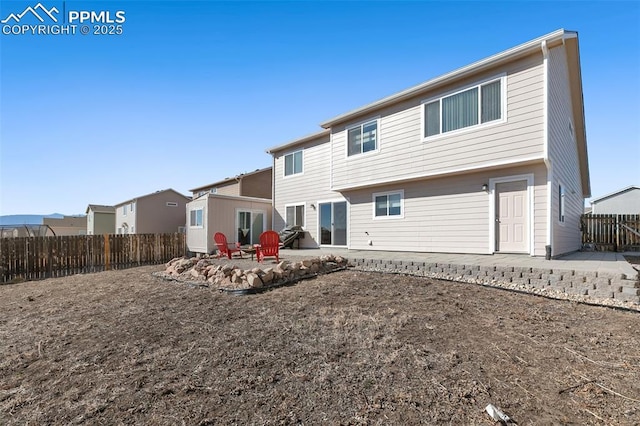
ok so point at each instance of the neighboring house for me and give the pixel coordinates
(67, 225)
(488, 158)
(239, 207)
(624, 201)
(160, 212)
(252, 184)
(101, 219)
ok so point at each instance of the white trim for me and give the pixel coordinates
(284, 164)
(497, 164)
(387, 193)
(529, 178)
(304, 218)
(477, 84)
(361, 125)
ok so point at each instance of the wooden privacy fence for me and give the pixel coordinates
(34, 258)
(611, 232)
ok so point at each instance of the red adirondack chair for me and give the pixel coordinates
(224, 248)
(269, 246)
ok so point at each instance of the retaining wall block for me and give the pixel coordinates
(532, 275)
(488, 269)
(539, 283)
(602, 293)
(631, 291)
(599, 283)
(576, 290)
(507, 274)
(522, 269)
(627, 297)
(541, 271)
(521, 281)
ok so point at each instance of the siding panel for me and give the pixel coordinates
(403, 153)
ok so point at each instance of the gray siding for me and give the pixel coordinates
(440, 215)
(563, 156)
(308, 188)
(102, 223)
(403, 153)
(627, 202)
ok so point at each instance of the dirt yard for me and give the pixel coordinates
(124, 347)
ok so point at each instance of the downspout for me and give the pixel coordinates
(545, 141)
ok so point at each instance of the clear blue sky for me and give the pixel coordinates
(193, 92)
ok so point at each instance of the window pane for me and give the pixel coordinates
(299, 215)
(290, 220)
(381, 205)
(355, 141)
(192, 218)
(369, 132)
(297, 162)
(460, 110)
(491, 101)
(198, 217)
(394, 205)
(288, 164)
(432, 118)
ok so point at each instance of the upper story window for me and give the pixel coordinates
(213, 191)
(362, 138)
(124, 210)
(388, 204)
(476, 105)
(293, 163)
(172, 204)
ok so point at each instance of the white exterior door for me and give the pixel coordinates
(512, 212)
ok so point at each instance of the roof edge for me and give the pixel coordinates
(620, 191)
(298, 141)
(231, 179)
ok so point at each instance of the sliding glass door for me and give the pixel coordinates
(250, 224)
(333, 223)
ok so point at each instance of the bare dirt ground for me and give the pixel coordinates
(124, 347)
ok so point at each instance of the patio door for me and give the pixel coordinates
(333, 223)
(250, 224)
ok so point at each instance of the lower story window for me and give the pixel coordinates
(388, 204)
(295, 215)
(195, 217)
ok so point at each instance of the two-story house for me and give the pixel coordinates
(160, 212)
(239, 207)
(488, 158)
(101, 219)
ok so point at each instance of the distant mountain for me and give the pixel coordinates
(27, 219)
